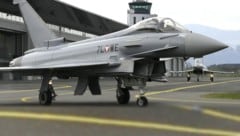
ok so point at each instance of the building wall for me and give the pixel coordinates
(134, 18)
(175, 64)
(12, 45)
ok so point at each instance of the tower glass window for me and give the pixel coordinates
(141, 7)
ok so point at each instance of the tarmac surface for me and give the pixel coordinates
(176, 108)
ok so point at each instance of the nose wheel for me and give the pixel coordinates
(142, 101)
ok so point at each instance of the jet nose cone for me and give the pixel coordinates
(199, 45)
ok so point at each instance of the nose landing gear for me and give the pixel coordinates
(142, 101)
(125, 84)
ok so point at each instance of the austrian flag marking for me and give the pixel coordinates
(108, 48)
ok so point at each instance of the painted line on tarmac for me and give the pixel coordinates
(27, 99)
(17, 91)
(189, 87)
(167, 83)
(30, 90)
(10, 99)
(195, 101)
(151, 94)
(115, 122)
(208, 112)
(213, 113)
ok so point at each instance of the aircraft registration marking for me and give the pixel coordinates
(108, 48)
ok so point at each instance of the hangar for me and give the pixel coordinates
(65, 20)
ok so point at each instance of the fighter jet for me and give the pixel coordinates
(131, 55)
(200, 69)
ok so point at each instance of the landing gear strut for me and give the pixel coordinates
(45, 94)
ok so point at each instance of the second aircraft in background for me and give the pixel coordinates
(200, 69)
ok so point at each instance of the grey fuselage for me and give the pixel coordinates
(96, 50)
(136, 42)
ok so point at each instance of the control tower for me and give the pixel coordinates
(139, 10)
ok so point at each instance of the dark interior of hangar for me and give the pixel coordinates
(12, 45)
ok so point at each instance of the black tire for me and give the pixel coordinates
(211, 79)
(45, 98)
(142, 101)
(123, 96)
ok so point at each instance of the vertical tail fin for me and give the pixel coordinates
(37, 28)
(198, 61)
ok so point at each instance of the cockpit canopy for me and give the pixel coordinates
(164, 25)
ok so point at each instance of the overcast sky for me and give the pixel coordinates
(223, 14)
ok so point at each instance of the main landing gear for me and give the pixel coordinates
(46, 92)
(45, 98)
(123, 95)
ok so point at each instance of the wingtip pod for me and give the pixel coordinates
(15, 2)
